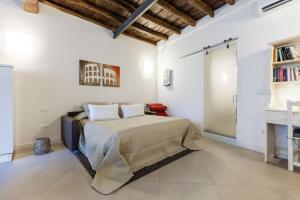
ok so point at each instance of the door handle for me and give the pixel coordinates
(234, 98)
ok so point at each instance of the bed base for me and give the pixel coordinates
(138, 174)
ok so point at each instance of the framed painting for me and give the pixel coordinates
(90, 73)
(111, 76)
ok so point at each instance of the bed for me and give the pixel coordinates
(118, 150)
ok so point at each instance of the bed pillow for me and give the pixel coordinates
(133, 110)
(120, 109)
(103, 112)
(86, 108)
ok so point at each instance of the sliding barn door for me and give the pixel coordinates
(220, 78)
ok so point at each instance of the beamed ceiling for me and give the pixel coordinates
(147, 20)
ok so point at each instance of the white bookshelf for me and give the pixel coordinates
(285, 83)
(288, 89)
(286, 62)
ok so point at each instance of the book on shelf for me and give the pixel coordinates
(285, 53)
(286, 73)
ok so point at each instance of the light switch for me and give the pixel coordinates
(44, 109)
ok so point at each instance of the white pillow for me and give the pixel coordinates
(133, 110)
(103, 112)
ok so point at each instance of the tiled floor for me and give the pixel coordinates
(219, 172)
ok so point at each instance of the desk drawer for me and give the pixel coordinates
(297, 119)
(276, 117)
(280, 117)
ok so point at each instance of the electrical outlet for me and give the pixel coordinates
(43, 126)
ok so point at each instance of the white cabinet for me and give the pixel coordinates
(6, 113)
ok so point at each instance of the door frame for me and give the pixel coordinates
(217, 136)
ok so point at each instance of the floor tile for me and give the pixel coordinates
(186, 191)
(184, 170)
(257, 193)
(137, 190)
(218, 172)
(25, 189)
(70, 188)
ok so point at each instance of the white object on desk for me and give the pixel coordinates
(6, 113)
(277, 117)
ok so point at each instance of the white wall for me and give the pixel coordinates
(46, 60)
(254, 33)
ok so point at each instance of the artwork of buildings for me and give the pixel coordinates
(96, 74)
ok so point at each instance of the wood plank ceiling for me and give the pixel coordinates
(157, 22)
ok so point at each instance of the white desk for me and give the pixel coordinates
(275, 117)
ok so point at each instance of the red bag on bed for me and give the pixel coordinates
(154, 104)
(159, 108)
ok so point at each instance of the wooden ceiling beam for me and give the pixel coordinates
(146, 5)
(231, 2)
(149, 31)
(161, 23)
(146, 16)
(88, 18)
(31, 6)
(128, 34)
(202, 6)
(86, 5)
(171, 9)
(70, 12)
(117, 18)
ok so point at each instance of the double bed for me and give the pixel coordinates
(118, 150)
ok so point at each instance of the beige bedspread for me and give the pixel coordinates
(117, 148)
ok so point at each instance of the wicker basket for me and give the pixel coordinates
(42, 146)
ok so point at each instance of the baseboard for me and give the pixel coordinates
(30, 145)
(6, 157)
(281, 153)
(219, 138)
